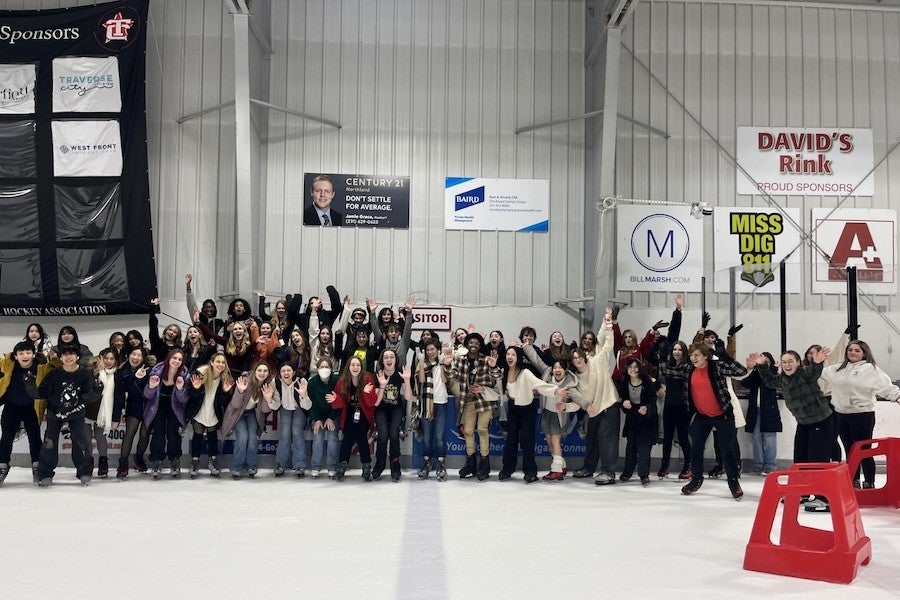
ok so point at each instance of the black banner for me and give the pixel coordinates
(75, 236)
(353, 200)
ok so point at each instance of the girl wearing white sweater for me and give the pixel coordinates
(519, 385)
(854, 384)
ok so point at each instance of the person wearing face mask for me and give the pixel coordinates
(855, 383)
(804, 398)
(324, 418)
(166, 394)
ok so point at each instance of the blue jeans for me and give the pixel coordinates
(765, 449)
(433, 434)
(246, 442)
(291, 442)
(319, 440)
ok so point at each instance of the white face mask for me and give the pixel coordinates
(324, 373)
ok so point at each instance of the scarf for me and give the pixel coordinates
(427, 391)
(104, 417)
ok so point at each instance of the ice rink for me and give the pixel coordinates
(284, 538)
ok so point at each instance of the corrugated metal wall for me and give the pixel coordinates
(427, 88)
(773, 63)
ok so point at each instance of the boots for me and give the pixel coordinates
(735, 486)
(716, 471)
(139, 463)
(122, 471)
(425, 469)
(484, 468)
(692, 486)
(214, 469)
(556, 470)
(379, 467)
(395, 470)
(341, 470)
(367, 471)
(441, 471)
(195, 467)
(469, 468)
(103, 467)
(4, 471)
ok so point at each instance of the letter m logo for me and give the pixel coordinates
(668, 241)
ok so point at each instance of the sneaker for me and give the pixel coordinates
(314, 473)
(716, 472)
(4, 471)
(686, 474)
(103, 467)
(816, 505)
(582, 473)
(300, 473)
(645, 481)
(279, 471)
(553, 476)
(735, 486)
(663, 473)
(604, 479)
(692, 486)
(531, 477)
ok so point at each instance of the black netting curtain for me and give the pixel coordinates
(75, 234)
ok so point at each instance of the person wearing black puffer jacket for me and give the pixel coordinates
(763, 420)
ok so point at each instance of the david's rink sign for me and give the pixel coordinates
(802, 161)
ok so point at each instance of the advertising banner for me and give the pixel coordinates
(865, 238)
(17, 89)
(472, 203)
(75, 231)
(658, 251)
(354, 200)
(790, 161)
(756, 239)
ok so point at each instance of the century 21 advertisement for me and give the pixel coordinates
(354, 200)
(752, 241)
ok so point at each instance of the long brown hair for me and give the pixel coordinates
(346, 379)
(168, 367)
(255, 384)
(867, 353)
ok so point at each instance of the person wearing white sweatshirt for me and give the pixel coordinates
(854, 384)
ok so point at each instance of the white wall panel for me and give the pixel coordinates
(427, 89)
(766, 63)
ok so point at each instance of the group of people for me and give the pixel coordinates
(348, 374)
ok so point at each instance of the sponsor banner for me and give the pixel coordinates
(474, 203)
(658, 251)
(354, 200)
(436, 318)
(86, 149)
(865, 238)
(790, 161)
(84, 59)
(86, 84)
(756, 239)
(17, 89)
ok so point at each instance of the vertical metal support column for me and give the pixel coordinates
(245, 230)
(852, 309)
(782, 279)
(732, 296)
(606, 174)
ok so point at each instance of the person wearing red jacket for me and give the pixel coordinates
(355, 395)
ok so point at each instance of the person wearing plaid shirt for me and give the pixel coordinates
(470, 380)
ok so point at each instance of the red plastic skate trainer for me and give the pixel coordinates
(889, 495)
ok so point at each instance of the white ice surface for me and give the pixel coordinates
(283, 538)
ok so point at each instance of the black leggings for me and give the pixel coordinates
(855, 427)
(212, 440)
(132, 424)
(356, 433)
(676, 419)
(12, 415)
